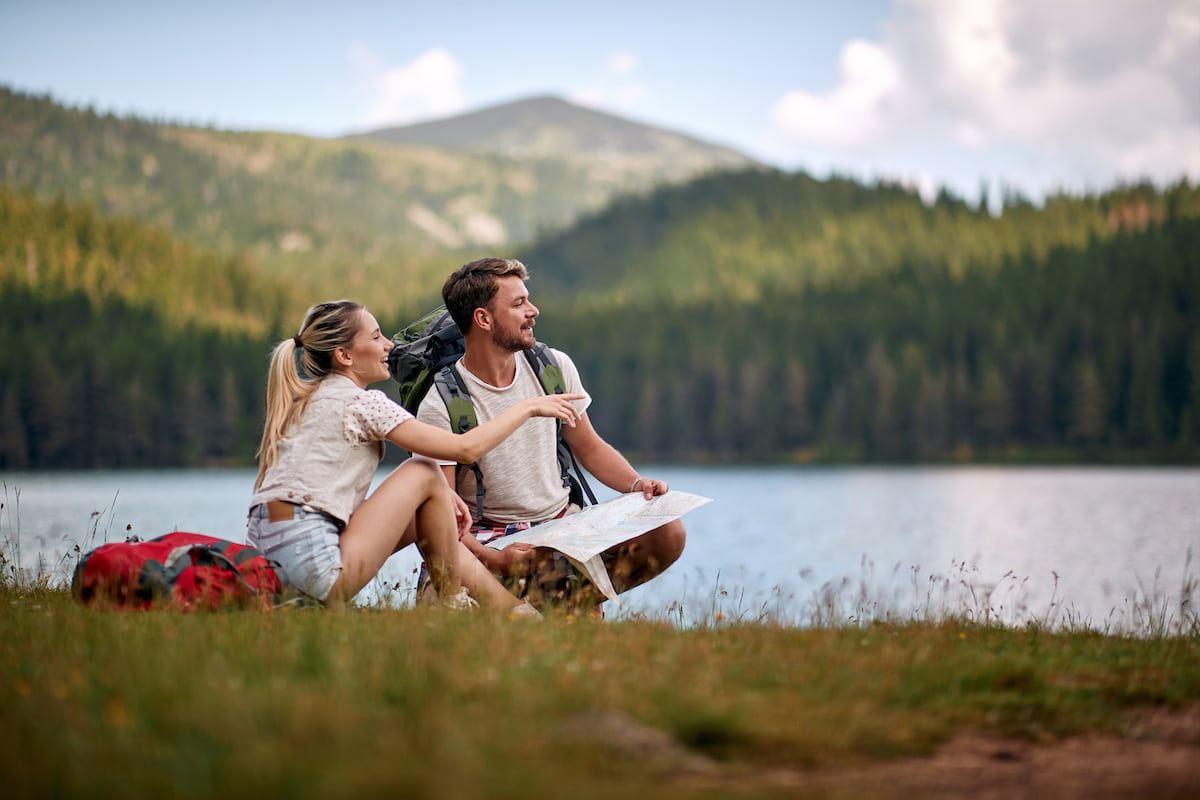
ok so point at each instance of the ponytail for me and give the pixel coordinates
(327, 326)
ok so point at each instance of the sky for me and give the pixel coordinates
(1037, 96)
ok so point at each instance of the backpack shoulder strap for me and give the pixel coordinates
(546, 367)
(456, 396)
(454, 393)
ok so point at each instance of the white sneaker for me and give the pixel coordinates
(459, 602)
(524, 611)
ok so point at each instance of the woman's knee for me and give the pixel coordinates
(421, 470)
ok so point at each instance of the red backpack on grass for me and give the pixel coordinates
(184, 571)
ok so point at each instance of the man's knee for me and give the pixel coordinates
(670, 541)
(647, 556)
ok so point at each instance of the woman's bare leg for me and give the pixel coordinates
(482, 584)
(413, 505)
(383, 524)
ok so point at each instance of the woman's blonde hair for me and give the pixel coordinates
(291, 380)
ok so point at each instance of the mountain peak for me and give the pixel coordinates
(549, 127)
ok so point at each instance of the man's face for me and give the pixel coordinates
(513, 315)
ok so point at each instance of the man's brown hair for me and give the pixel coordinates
(473, 285)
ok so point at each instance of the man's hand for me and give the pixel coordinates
(514, 560)
(649, 487)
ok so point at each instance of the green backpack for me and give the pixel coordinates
(423, 356)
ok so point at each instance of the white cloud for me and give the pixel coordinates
(1086, 92)
(622, 62)
(429, 86)
(852, 113)
(616, 86)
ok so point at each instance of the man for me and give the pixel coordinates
(522, 479)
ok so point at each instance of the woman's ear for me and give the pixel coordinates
(341, 358)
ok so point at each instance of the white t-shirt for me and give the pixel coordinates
(328, 459)
(521, 476)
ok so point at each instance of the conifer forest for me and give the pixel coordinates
(743, 316)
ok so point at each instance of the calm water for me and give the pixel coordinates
(1103, 546)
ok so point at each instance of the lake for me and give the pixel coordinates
(1111, 548)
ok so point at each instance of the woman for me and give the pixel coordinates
(321, 445)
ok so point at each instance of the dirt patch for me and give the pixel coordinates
(978, 767)
(1159, 758)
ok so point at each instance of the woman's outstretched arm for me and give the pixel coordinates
(465, 448)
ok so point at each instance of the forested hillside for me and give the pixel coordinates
(751, 235)
(343, 216)
(58, 248)
(1067, 333)
(124, 346)
(765, 315)
(1088, 353)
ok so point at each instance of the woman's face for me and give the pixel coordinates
(365, 360)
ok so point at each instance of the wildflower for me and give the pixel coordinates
(118, 714)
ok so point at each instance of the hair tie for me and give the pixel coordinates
(296, 339)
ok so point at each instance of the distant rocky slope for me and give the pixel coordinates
(355, 214)
(614, 150)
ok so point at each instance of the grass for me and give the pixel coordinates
(413, 702)
(1157, 609)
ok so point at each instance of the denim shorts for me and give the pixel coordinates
(304, 549)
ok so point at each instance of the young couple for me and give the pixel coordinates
(323, 440)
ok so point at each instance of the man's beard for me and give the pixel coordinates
(514, 343)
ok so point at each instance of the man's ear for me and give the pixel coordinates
(482, 318)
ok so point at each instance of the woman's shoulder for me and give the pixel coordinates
(340, 388)
(374, 398)
(371, 415)
(337, 385)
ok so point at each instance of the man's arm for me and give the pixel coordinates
(606, 463)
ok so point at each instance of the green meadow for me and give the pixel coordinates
(413, 702)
